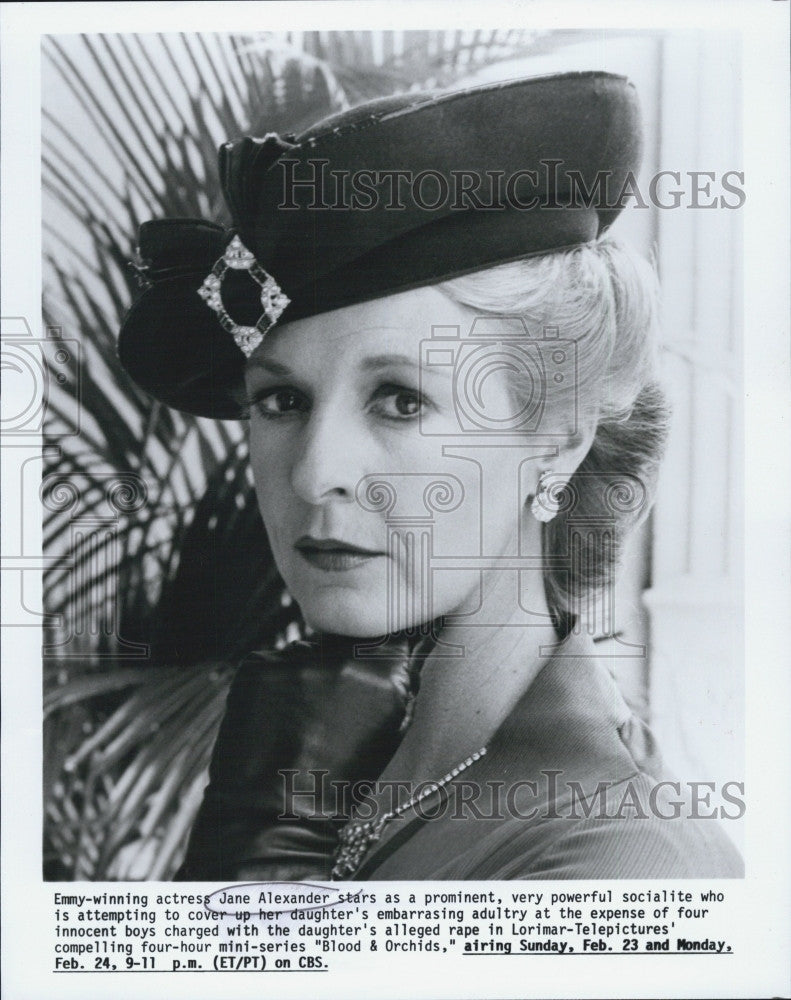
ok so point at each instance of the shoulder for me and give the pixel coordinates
(611, 810)
(638, 829)
(626, 850)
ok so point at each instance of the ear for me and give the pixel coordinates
(575, 447)
(549, 475)
(568, 450)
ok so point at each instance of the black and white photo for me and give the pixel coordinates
(383, 425)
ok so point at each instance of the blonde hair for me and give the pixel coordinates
(603, 297)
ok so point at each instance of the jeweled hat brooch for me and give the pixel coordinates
(273, 300)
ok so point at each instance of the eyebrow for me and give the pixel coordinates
(379, 361)
(274, 367)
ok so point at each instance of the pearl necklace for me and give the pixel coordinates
(356, 837)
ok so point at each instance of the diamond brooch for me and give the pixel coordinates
(273, 299)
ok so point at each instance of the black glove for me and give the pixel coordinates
(310, 707)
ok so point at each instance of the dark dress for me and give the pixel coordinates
(596, 808)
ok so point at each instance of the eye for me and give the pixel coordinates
(279, 402)
(397, 402)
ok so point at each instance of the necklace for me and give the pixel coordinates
(356, 837)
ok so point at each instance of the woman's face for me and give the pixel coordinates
(340, 401)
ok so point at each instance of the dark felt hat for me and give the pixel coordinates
(395, 194)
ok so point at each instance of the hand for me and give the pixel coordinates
(296, 721)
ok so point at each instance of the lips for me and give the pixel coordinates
(332, 555)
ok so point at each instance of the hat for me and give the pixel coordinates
(394, 194)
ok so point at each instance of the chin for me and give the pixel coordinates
(361, 614)
(354, 604)
(340, 618)
(362, 606)
(365, 611)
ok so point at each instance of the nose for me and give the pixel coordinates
(325, 465)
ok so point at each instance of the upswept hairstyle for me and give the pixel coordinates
(604, 297)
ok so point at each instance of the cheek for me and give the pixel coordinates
(489, 520)
(269, 463)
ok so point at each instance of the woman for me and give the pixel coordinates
(454, 418)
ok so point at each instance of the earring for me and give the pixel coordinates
(544, 505)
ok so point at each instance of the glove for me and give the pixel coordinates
(309, 708)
